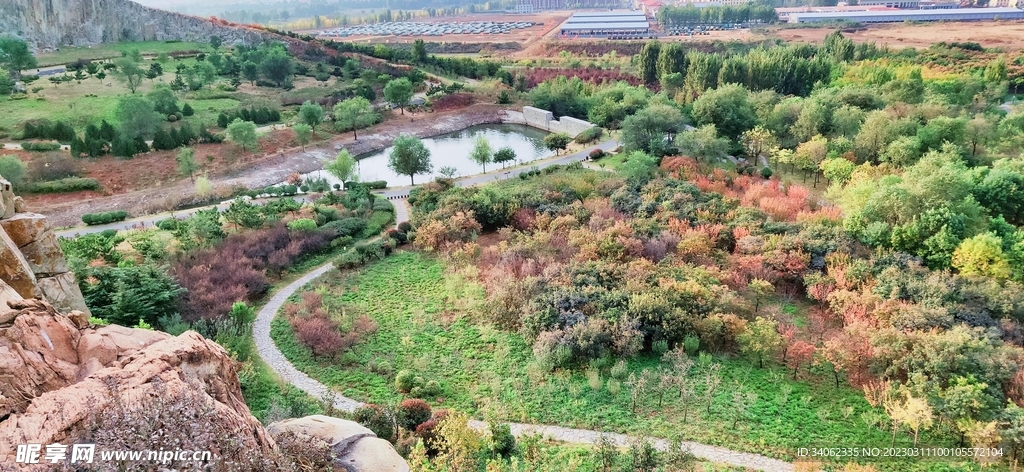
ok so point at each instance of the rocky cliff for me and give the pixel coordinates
(32, 264)
(47, 24)
(65, 381)
(120, 388)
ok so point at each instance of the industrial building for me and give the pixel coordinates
(622, 23)
(911, 4)
(533, 6)
(960, 14)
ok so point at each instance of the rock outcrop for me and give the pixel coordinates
(59, 374)
(355, 447)
(32, 264)
(47, 24)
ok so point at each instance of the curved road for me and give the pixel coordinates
(276, 360)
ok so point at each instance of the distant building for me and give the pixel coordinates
(623, 23)
(531, 6)
(908, 4)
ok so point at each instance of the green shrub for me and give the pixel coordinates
(660, 347)
(349, 260)
(104, 218)
(376, 184)
(12, 169)
(589, 135)
(405, 381)
(302, 224)
(40, 147)
(68, 184)
(766, 172)
(405, 226)
(170, 224)
(383, 205)
(619, 370)
(350, 226)
(691, 344)
(378, 419)
(502, 439)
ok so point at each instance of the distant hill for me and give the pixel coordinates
(47, 24)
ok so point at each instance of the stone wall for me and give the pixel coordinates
(32, 264)
(48, 24)
(545, 120)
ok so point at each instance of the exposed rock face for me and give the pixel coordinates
(51, 23)
(31, 262)
(57, 371)
(356, 447)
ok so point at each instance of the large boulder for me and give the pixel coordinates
(355, 447)
(37, 243)
(64, 374)
(62, 291)
(15, 270)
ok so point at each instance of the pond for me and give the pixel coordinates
(453, 150)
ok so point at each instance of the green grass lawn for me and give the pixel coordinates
(425, 325)
(107, 51)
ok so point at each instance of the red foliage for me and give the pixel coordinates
(452, 102)
(535, 76)
(524, 219)
(798, 354)
(319, 334)
(236, 270)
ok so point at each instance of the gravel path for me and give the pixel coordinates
(276, 360)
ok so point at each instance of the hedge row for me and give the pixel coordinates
(68, 184)
(589, 135)
(104, 218)
(372, 185)
(40, 147)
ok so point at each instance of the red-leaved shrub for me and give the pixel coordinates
(237, 268)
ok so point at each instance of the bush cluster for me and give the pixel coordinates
(40, 147)
(415, 386)
(45, 129)
(372, 184)
(589, 135)
(237, 268)
(104, 218)
(68, 184)
(260, 116)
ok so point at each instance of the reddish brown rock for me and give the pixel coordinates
(61, 374)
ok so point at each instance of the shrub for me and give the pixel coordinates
(53, 166)
(70, 184)
(302, 224)
(412, 412)
(619, 370)
(378, 419)
(40, 147)
(237, 268)
(766, 172)
(376, 184)
(589, 135)
(691, 344)
(104, 218)
(405, 226)
(169, 224)
(383, 205)
(405, 381)
(319, 333)
(596, 154)
(614, 386)
(12, 169)
(350, 226)
(502, 439)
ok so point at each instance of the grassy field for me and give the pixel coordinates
(107, 51)
(425, 325)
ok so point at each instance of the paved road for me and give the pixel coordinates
(391, 194)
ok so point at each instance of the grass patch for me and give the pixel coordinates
(68, 54)
(424, 326)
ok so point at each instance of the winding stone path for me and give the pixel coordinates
(276, 360)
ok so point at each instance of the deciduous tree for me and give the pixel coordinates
(410, 157)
